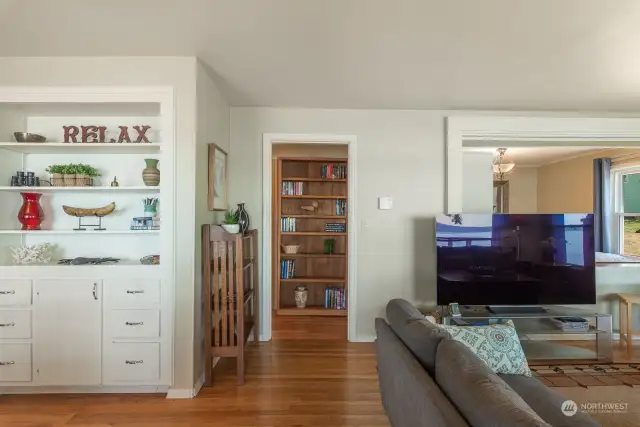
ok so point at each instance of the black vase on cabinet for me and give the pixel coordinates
(243, 218)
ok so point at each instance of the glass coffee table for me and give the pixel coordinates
(541, 339)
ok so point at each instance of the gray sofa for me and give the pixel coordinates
(429, 380)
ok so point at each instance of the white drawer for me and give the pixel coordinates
(132, 292)
(15, 292)
(132, 323)
(132, 362)
(15, 324)
(15, 362)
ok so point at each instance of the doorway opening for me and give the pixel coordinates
(309, 241)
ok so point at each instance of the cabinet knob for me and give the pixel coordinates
(7, 363)
(135, 292)
(133, 362)
(4, 325)
(7, 292)
(134, 323)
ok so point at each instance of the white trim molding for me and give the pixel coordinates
(266, 292)
(488, 131)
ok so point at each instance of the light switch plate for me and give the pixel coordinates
(385, 202)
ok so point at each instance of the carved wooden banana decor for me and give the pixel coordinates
(99, 212)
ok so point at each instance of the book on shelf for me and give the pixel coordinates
(333, 227)
(291, 188)
(571, 324)
(335, 298)
(288, 225)
(287, 269)
(341, 207)
(333, 171)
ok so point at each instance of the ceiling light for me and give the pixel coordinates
(500, 165)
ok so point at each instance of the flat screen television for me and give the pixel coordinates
(515, 260)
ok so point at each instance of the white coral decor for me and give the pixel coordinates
(32, 254)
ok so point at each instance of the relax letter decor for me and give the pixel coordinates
(97, 134)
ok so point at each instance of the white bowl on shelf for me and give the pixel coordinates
(231, 228)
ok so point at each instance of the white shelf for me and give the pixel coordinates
(48, 189)
(79, 233)
(95, 148)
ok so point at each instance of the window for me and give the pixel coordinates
(626, 209)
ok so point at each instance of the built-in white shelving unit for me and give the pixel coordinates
(77, 328)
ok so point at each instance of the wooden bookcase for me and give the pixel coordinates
(314, 269)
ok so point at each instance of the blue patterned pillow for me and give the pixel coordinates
(496, 345)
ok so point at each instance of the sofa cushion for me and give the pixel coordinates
(419, 335)
(482, 397)
(409, 395)
(546, 402)
(497, 345)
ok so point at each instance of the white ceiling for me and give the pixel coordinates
(406, 54)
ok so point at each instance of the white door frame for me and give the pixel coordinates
(487, 131)
(266, 292)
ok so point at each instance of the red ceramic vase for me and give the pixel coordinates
(31, 214)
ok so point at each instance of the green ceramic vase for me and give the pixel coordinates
(151, 174)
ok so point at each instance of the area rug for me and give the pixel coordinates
(617, 374)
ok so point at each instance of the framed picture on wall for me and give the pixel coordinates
(217, 179)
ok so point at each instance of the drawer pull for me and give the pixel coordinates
(7, 363)
(7, 292)
(135, 292)
(133, 362)
(134, 323)
(4, 325)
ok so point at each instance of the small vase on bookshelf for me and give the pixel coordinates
(301, 295)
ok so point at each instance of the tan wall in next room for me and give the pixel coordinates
(567, 186)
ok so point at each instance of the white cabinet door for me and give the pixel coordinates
(67, 332)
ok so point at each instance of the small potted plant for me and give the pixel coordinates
(69, 172)
(57, 175)
(85, 175)
(231, 222)
(328, 246)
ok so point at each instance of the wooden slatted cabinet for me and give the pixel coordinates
(230, 295)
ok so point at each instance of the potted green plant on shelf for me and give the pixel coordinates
(85, 175)
(231, 222)
(328, 246)
(57, 175)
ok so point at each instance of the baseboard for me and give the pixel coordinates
(83, 389)
(199, 384)
(180, 393)
(365, 338)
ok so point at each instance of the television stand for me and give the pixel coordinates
(506, 310)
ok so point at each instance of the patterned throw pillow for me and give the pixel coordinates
(496, 345)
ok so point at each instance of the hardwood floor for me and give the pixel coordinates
(289, 383)
(313, 328)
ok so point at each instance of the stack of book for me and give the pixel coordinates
(335, 298)
(287, 269)
(571, 324)
(341, 207)
(335, 227)
(292, 188)
(334, 171)
(145, 223)
(288, 225)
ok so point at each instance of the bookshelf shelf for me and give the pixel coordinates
(311, 311)
(313, 280)
(313, 233)
(313, 255)
(308, 196)
(315, 179)
(319, 183)
(315, 216)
